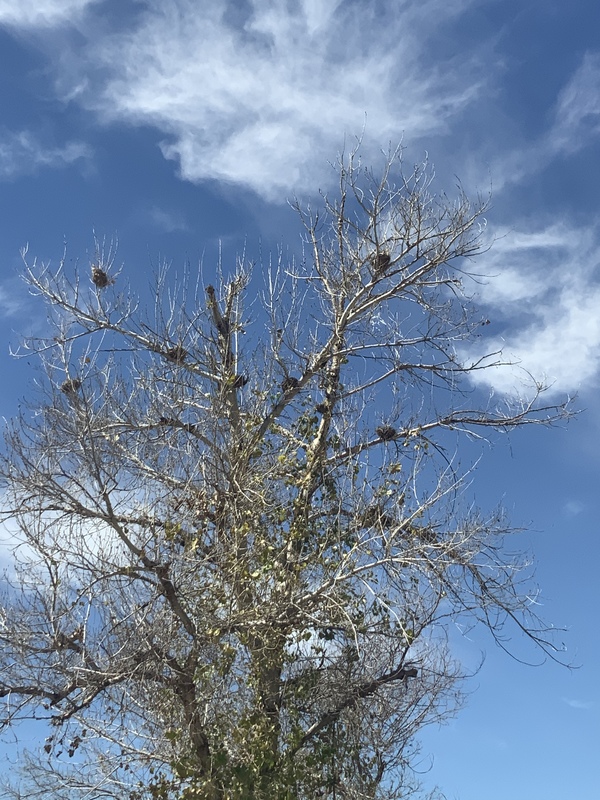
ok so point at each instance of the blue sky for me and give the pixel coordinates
(178, 124)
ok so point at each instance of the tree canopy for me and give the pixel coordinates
(243, 527)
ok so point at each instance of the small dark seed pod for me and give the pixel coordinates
(321, 408)
(386, 433)
(289, 383)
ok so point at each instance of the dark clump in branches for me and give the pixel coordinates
(221, 323)
(380, 262)
(239, 381)
(177, 354)
(289, 384)
(227, 595)
(70, 386)
(386, 433)
(100, 278)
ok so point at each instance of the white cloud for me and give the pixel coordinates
(584, 705)
(544, 286)
(22, 152)
(11, 541)
(572, 508)
(10, 302)
(163, 220)
(576, 124)
(578, 108)
(265, 99)
(40, 13)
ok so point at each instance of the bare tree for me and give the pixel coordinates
(243, 531)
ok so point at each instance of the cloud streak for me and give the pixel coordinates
(582, 705)
(41, 13)
(10, 302)
(575, 124)
(578, 108)
(22, 153)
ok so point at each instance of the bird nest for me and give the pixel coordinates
(100, 278)
(176, 354)
(386, 433)
(380, 261)
(71, 386)
(289, 383)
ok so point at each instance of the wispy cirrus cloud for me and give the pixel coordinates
(22, 152)
(575, 123)
(11, 299)
(577, 118)
(544, 294)
(262, 96)
(40, 13)
(164, 220)
(161, 218)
